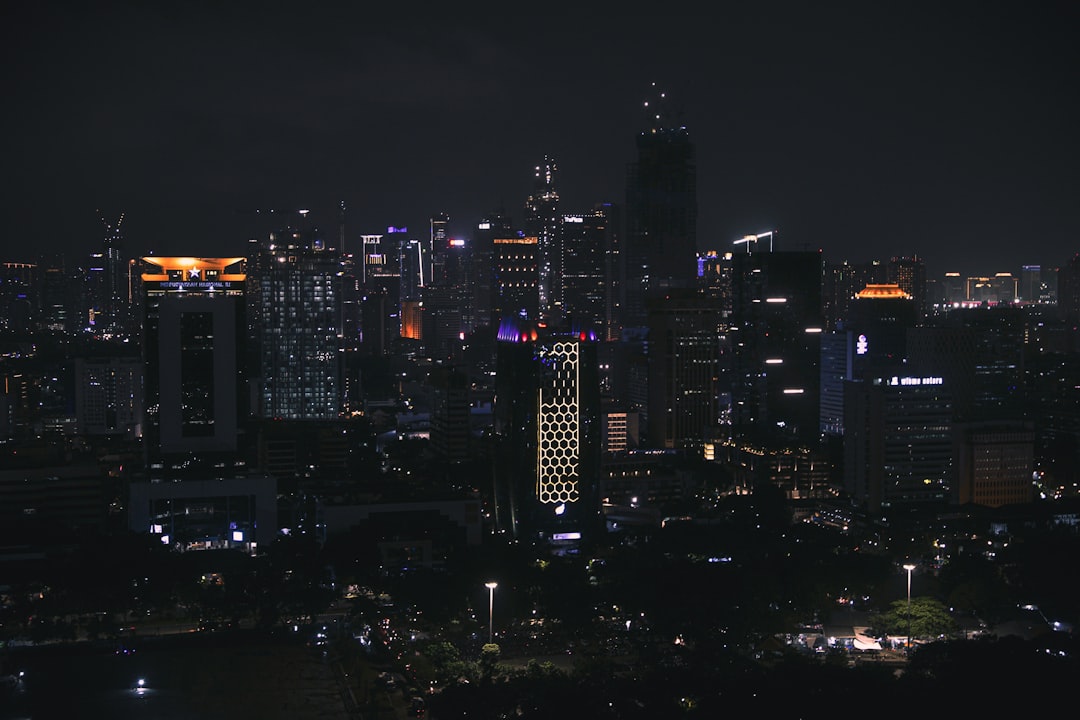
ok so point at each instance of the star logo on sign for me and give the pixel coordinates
(193, 274)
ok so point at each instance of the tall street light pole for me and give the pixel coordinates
(909, 567)
(491, 608)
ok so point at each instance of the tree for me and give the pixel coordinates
(928, 618)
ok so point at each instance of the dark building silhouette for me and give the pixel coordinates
(582, 280)
(775, 336)
(684, 370)
(661, 211)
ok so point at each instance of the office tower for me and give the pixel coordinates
(194, 337)
(108, 310)
(1068, 289)
(297, 315)
(614, 268)
(547, 429)
(621, 430)
(715, 279)
(953, 289)
(776, 342)
(980, 353)
(109, 396)
(873, 335)
(196, 413)
(898, 440)
(435, 259)
(352, 335)
(447, 299)
(515, 277)
(1000, 289)
(1030, 288)
(995, 463)
(661, 211)
(482, 261)
(19, 293)
(542, 221)
(683, 367)
(910, 274)
(450, 410)
(842, 281)
(583, 284)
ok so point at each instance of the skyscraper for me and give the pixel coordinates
(547, 426)
(297, 322)
(775, 336)
(194, 339)
(898, 441)
(542, 222)
(516, 277)
(683, 369)
(195, 366)
(661, 211)
(582, 275)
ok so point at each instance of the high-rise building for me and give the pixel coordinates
(450, 411)
(898, 441)
(775, 337)
(683, 366)
(297, 316)
(872, 335)
(1068, 289)
(485, 287)
(910, 274)
(516, 277)
(194, 349)
(583, 288)
(108, 307)
(995, 463)
(542, 222)
(661, 211)
(197, 410)
(109, 396)
(19, 295)
(547, 428)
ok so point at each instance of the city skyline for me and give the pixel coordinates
(938, 132)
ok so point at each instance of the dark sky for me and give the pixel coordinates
(869, 129)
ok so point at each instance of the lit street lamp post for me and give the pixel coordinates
(909, 567)
(491, 608)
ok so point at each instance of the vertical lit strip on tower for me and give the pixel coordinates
(559, 429)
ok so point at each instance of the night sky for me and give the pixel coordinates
(943, 129)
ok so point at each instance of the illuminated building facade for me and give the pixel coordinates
(910, 274)
(995, 463)
(198, 492)
(872, 334)
(542, 222)
(583, 281)
(194, 336)
(548, 428)
(516, 277)
(297, 323)
(898, 444)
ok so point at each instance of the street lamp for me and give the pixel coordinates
(909, 567)
(491, 608)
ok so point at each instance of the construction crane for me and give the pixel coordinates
(747, 239)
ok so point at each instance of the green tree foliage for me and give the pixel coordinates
(928, 618)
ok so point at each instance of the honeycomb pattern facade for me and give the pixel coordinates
(558, 430)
